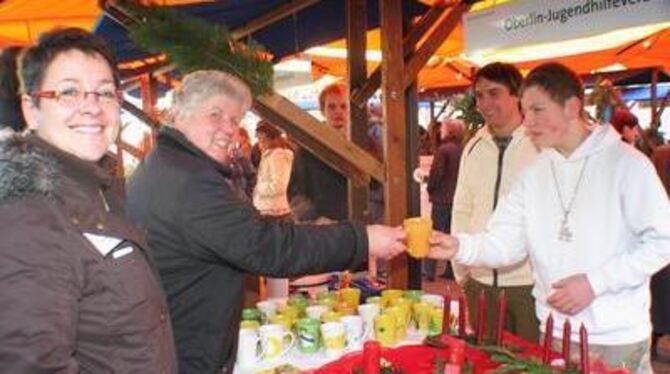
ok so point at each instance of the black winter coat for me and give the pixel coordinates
(205, 237)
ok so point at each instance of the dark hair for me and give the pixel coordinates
(621, 118)
(557, 80)
(506, 74)
(10, 101)
(337, 88)
(36, 59)
(273, 134)
(266, 128)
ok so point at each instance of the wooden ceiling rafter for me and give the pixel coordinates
(433, 42)
(361, 96)
(346, 157)
(271, 17)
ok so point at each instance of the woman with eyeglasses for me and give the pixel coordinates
(79, 292)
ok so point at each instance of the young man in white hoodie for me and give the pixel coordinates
(592, 216)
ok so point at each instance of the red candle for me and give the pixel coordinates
(481, 317)
(461, 316)
(566, 342)
(446, 318)
(584, 350)
(548, 337)
(502, 310)
(372, 352)
(457, 353)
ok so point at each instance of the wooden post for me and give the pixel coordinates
(149, 99)
(393, 97)
(655, 120)
(359, 196)
(357, 72)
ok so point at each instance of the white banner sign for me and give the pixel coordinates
(524, 22)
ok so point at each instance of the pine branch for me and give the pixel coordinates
(194, 44)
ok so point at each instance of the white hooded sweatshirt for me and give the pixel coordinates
(620, 225)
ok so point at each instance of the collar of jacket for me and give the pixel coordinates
(32, 167)
(173, 138)
(87, 172)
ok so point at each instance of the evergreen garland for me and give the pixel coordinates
(192, 44)
(469, 114)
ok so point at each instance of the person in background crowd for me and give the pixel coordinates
(592, 216)
(316, 189)
(244, 142)
(274, 172)
(205, 237)
(79, 291)
(491, 161)
(626, 123)
(241, 164)
(442, 184)
(270, 194)
(10, 102)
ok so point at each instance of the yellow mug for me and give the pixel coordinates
(385, 325)
(249, 324)
(283, 320)
(330, 316)
(389, 295)
(351, 296)
(436, 317)
(418, 231)
(400, 321)
(422, 317)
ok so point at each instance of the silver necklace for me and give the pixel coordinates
(565, 233)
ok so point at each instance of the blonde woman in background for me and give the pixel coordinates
(274, 172)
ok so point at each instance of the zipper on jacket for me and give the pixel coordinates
(104, 200)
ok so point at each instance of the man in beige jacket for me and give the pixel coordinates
(491, 161)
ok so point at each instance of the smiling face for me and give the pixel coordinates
(212, 125)
(85, 129)
(498, 106)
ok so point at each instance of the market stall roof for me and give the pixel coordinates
(22, 21)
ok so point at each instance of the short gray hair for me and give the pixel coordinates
(200, 85)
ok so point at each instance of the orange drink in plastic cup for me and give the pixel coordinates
(418, 231)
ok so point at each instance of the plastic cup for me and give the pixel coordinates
(418, 231)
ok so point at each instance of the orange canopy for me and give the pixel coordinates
(22, 21)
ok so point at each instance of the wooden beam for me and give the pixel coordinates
(655, 120)
(356, 12)
(393, 104)
(135, 152)
(433, 42)
(139, 114)
(361, 96)
(324, 142)
(271, 17)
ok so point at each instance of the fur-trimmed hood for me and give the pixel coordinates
(26, 168)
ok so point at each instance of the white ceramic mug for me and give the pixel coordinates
(354, 331)
(268, 309)
(368, 312)
(273, 341)
(334, 339)
(436, 300)
(248, 352)
(315, 311)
